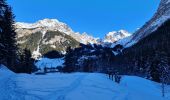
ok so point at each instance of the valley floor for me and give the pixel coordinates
(76, 86)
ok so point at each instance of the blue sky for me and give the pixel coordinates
(96, 17)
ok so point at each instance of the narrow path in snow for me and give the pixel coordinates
(63, 93)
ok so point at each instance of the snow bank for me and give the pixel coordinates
(5, 82)
(4, 71)
(143, 89)
(142, 85)
(46, 62)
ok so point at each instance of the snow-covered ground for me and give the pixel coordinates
(76, 86)
(49, 63)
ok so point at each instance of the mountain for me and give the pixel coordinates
(44, 36)
(161, 15)
(115, 36)
(50, 34)
(54, 25)
(46, 24)
(47, 35)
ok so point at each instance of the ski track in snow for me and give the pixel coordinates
(61, 95)
(76, 86)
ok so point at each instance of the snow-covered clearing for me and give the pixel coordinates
(75, 86)
(49, 63)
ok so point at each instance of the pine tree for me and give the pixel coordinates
(87, 65)
(8, 42)
(69, 63)
(3, 6)
(164, 70)
(154, 70)
(26, 63)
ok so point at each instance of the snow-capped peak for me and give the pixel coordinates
(45, 22)
(116, 35)
(49, 24)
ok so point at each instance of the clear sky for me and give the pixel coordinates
(96, 17)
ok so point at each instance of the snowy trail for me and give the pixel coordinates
(76, 86)
(63, 93)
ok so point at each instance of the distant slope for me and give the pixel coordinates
(115, 36)
(42, 42)
(161, 15)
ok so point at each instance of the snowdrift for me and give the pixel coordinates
(4, 71)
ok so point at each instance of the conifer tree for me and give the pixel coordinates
(28, 62)
(164, 70)
(8, 46)
(2, 19)
(69, 61)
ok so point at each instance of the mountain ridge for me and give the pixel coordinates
(60, 33)
(161, 15)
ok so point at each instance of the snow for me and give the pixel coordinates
(154, 26)
(168, 1)
(121, 37)
(76, 86)
(162, 14)
(141, 85)
(49, 24)
(5, 80)
(115, 36)
(115, 53)
(46, 62)
(4, 71)
(126, 42)
(129, 44)
(85, 38)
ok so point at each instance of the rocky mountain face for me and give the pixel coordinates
(44, 36)
(162, 14)
(52, 25)
(49, 34)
